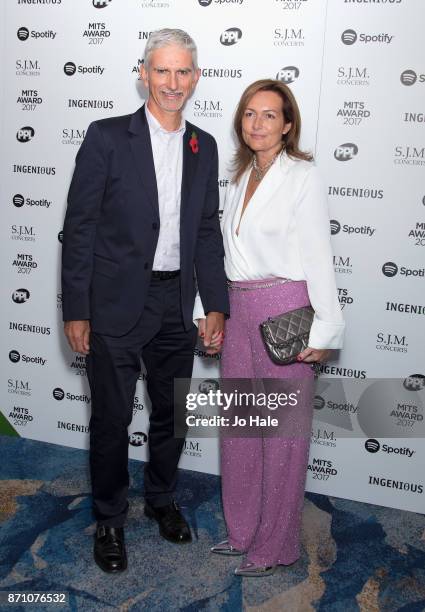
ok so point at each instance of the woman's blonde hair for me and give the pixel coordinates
(291, 114)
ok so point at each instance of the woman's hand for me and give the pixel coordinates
(312, 355)
(217, 337)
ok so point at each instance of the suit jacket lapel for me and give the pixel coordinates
(190, 163)
(140, 143)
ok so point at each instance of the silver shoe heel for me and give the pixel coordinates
(250, 570)
(224, 548)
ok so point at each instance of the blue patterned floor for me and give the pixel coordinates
(356, 557)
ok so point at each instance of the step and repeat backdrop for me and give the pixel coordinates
(357, 70)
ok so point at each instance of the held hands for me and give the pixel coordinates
(78, 336)
(211, 330)
(311, 355)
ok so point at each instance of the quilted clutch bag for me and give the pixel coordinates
(286, 335)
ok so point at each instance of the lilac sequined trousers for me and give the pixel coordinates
(263, 478)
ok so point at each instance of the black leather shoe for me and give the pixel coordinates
(172, 524)
(109, 549)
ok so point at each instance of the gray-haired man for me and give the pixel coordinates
(142, 221)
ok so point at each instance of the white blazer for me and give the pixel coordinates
(284, 232)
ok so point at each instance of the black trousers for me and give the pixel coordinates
(113, 367)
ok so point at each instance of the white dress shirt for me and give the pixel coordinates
(284, 233)
(167, 149)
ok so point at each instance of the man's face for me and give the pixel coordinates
(170, 78)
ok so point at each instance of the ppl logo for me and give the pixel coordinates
(69, 68)
(335, 226)
(58, 394)
(231, 36)
(208, 385)
(20, 296)
(389, 269)
(349, 37)
(346, 152)
(414, 382)
(99, 4)
(18, 200)
(25, 134)
(137, 438)
(372, 445)
(23, 33)
(288, 75)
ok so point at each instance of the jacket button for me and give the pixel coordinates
(146, 266)
(155, 226)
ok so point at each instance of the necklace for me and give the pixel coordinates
(260, 172)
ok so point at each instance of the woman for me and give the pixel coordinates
(277, 258)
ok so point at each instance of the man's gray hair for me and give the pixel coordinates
(168, 36)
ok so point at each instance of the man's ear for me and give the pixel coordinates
(196, 77)
(143, 73)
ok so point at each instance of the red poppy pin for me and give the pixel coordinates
(194, 143)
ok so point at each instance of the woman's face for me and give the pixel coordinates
(263, 123)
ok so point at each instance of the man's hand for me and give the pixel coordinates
(78, 335)
(311, 355)
(211, 330)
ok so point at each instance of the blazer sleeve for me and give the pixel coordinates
(209, 252)
(313, 232)
(79, 232)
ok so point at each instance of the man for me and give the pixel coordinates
(141, 222)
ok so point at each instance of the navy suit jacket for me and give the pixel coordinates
(112, 224)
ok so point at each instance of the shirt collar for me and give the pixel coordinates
(155, 126)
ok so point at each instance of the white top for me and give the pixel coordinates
(285, 233)
(167, 149)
